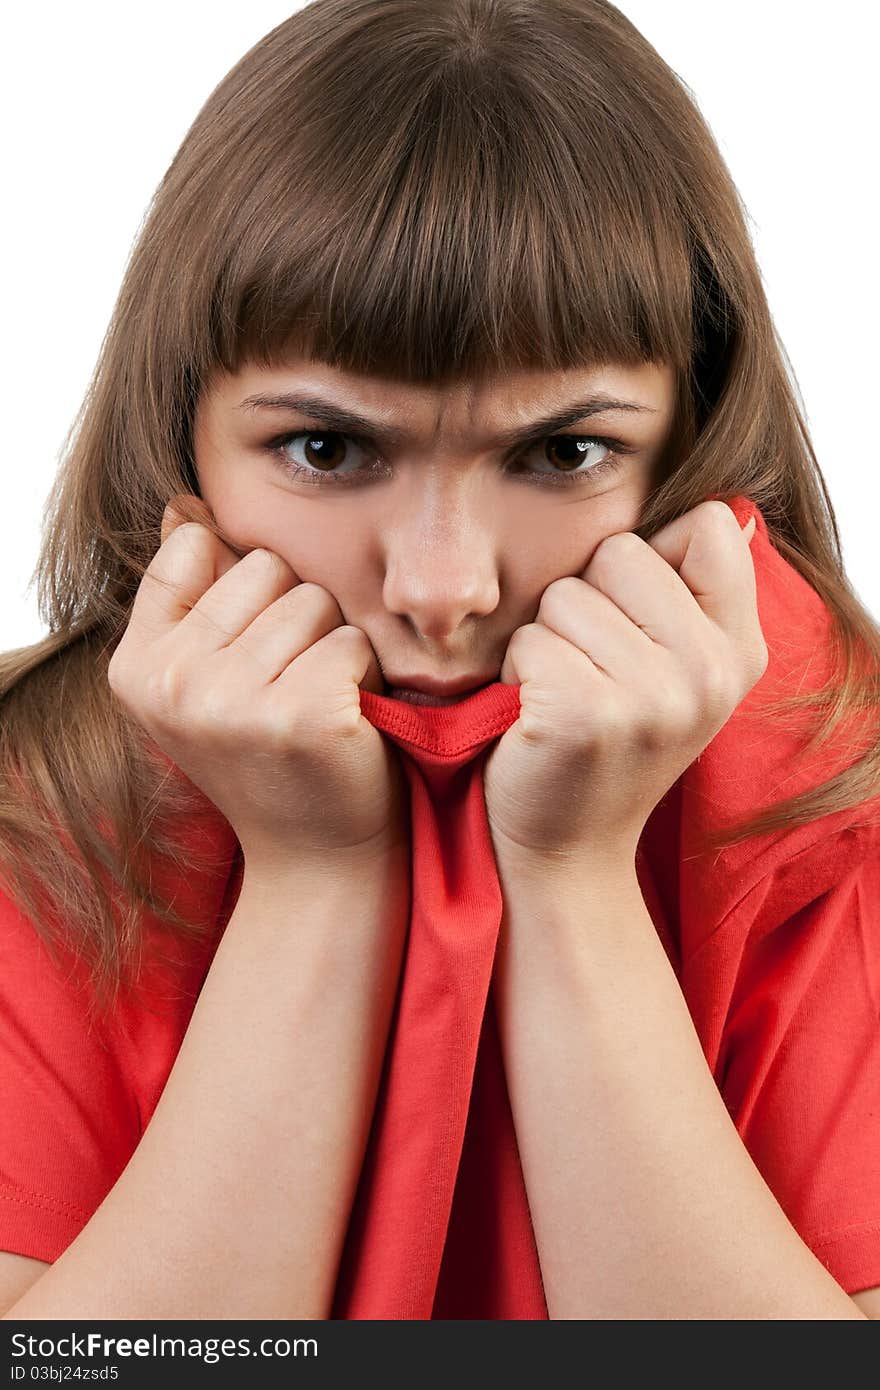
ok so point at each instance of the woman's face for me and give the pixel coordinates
(439, 515)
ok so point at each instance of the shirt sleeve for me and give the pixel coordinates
(799, 1069)
(69, 1121)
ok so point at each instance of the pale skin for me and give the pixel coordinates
(440, 551)
(438, 554)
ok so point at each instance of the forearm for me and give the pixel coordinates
(645, 1202)
(236, 1202)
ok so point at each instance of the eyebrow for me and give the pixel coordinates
(340, 417)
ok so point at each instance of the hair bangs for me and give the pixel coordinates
(479, 221)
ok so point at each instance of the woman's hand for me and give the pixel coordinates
(626, 674)
(249, 679)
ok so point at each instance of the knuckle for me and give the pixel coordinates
(164, 687)
(715, 684)
(716, 512)
(558, 596)
(319, 599)
(521, 637)
(350, 637)
(349, 633)
(290, 598)
(612, 549)
(667, 722)
(120, 669)
(760, 658)
(188, 534)
(187, 548)
(115, 677)
(716, 520)
(620, 542)
(309, 589)
(285, 722)
(218, 715)
(269, 561)
(616, 720)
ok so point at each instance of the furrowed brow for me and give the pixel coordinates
(339, 417)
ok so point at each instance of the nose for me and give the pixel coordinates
(440, 561)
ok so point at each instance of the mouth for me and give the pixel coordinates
(424, 697)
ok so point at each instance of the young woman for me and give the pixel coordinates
(441, 877)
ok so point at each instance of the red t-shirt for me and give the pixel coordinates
(775, 943)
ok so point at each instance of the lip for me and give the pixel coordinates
(442, 690)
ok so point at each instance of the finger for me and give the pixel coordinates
(710, 552)
(181, 508)
(546, 666)
(185, 507)
(334, 669)
(648, 593)
(284, 629)
(594, 624)
(228, 607)
(180, 572)
(697, 570)
(180, 588)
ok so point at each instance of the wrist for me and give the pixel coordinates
(579, 870)
(584, 911)
(342, 903)
(278, 866)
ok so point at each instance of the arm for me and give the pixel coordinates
(645, 1202)
(236, 1202)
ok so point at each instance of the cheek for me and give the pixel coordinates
(318, 545)
(544, 543)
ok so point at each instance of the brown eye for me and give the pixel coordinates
(321, 457)
(325, 450)
(569, 452)
(571, 458)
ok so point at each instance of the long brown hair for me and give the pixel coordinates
(422, 190)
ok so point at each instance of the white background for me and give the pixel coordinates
(97, 97)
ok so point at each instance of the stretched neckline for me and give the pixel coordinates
(448, 730)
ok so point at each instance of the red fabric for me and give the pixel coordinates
(394, 1259)
(775, 943)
